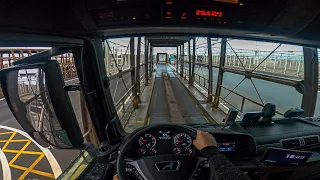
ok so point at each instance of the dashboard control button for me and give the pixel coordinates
(176, 150)
(141, 151)
(153, 151)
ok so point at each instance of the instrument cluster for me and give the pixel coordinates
(165, 142)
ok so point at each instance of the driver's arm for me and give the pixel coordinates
(220, 166)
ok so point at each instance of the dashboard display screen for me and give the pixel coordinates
(227, 146)
(165, 135)
(285, 157)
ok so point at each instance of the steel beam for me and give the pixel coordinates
(107, 56)
(190, 70)
(182, 60)
(132, 66)
(146, 53)
(137, 85)
(177, 60)
(275, 79)
(221, 71)
(151, 60)
(193, 60)
(209, 100)
(311, 75)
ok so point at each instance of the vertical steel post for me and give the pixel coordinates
(182, 60)
(193, 59)
(177, 60)
(311, 75)
(209, 100)
(151, 60)
(107, 58)
(220, 75)
(146, 53)
(133, 72)
(190, 68)
(137, 86)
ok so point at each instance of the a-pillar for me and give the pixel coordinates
(220, 74)
(311, 75)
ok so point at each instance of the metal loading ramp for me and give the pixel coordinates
(161, 109)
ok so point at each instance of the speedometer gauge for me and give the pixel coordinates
(182, 140)
(147, 141)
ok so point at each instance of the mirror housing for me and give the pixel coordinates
(35, 94)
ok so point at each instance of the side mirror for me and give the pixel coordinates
(35, 95)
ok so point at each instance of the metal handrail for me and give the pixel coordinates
(205, 80)
(120, 74)
(202, 64)
(243, 98)
(121, 100)
(243, 101)
(276, 79)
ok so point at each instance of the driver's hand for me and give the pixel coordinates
(204, 139)
(115, 177)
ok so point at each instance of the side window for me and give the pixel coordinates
(269, 59)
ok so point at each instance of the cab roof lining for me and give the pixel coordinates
(297, 23)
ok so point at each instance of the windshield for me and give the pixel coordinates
(181, 90)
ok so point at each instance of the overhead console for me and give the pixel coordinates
(239, 14)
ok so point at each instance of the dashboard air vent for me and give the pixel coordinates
(289, 144)
(311, 140)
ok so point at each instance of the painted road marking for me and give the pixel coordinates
(6, 172)
(41, 154)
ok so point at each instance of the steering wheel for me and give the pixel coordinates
(168, 166)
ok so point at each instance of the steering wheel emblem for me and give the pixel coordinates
(164, 166)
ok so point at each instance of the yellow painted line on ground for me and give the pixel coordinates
(49, 175)
(26, 172)
(7, 143)
(19, 153)
(23, 152)
(16, 140)
(148, 122)
(43, 152)
(6, 133)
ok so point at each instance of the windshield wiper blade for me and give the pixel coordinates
(202, 125)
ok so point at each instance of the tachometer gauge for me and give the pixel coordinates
(147, 141)
(182, 140)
